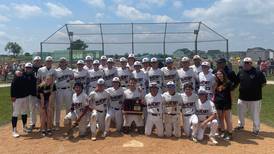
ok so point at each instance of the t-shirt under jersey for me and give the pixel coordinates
(94, 76)
(169, 75)
(109, 75)
(154, 103)
(207, 81)
(63, 78)
(155, 75)
(124, 74)
(99, 100)
(80, 102)
(189, 103)
(81, 76)
(187, 76)
(171, 104)
(141, 78)
(204, 110)
(116, 97)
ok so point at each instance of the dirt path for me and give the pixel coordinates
(243, 143)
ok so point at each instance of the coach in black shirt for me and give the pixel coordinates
(250, 94)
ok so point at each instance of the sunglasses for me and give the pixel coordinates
(247, 62)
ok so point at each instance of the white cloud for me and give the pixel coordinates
(99, 15)
(96, 3)
(58, 10)
(76, 22)
(132, 13)
(177, 4)
(154, 2)
(26, 10)
(4, 7)
(3, 19)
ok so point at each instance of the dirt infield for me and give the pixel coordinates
(243, 142)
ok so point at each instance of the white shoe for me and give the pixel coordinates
(194, 139)
(93, 137)
(104, 134)
(15, 134)
(213, 140)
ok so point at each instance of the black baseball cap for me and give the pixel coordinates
(221, 60)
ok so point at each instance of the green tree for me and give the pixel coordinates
(78, 45)
(14, 48)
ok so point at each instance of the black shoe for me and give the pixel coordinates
(49, 132)
(44, 133)
(222, 134)
(228, 136)
(239, 128)
(255, 133)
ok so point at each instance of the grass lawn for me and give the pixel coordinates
(267, 111)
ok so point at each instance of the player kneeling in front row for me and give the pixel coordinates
(78, 113)
(98, 100)
(171, 109)
(207, 114)
(114, 110)
(189, 102)
(133, 107)
(154, 102)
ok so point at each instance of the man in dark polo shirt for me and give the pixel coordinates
(250, 94)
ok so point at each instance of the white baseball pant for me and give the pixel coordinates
(254, 107)
(72, 116)
(190, 124)
(213, 125)
(63, 96)
(114, 115)
(33, 103)
(171, 122)
(100, 117)
(130, 118)
(154, 119)
(20, 106)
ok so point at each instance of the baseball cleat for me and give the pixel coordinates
(255, 133)
(49, 132)
(194, 139)
(104, 134)
(213, 140)
(26, 130)
(228, 137)
(93, 137)
(239, 128)
(15, 134)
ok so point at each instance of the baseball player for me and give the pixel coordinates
(146, 64)
(207, 80)
(110, 72)
(188, 106)
(169, 72)
(132, 107)
(95, 74)
(64, 79)
(131, 60)
(171, 109)
(140, 76)
(36, 64)
(207, 115)
(19, 102)
(114, 111)
(99, 100)
(123, 72)
(89, 61)
(186, 74)
(103, 62)
(154, 73)
(154, 102)
(46, 70)
(196, 67)
(81, 75)
(79, 104)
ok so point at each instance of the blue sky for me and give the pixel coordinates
(245, 23)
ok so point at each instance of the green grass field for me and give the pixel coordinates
(267, 111)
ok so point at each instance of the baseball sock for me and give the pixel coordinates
(14, 122)
(24, 119)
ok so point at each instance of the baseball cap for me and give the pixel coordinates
(202, 91)
(80, 62)
(137, 63)
(153, 84)
(110, 60)
(145, 60)
(154, 59)
(62, 59)
(123, 59)
(248, 59)
(115, 79)
(169, 60)
(101, 81)
(103, 57)
(221, 60)
(205, 63)
(170, 84)
(29, 65)
(196, 57)
(185, 59)
(36, 58)
(88, 58)
(96, 62)
(48, 58)
(131, 55)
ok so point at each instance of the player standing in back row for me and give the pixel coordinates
(169, 73)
